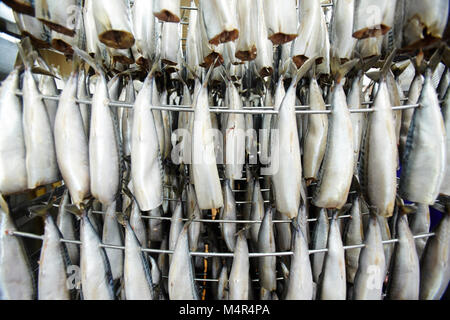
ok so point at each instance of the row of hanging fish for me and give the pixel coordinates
(233, 32)
(121, 179)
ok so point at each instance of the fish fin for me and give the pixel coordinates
(436, 58)
(4, 204)
(43, 210)
(303, 70)
(404, 208)
(388, 63)
(339, 70)
(95, 64)
(345, 209)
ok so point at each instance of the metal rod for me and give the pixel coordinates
(219, 109)
(214, 254)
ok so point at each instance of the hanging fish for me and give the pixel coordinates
(113, 234)
(358, 119)
(425, 155)
(342, 42)
(246, 44)
(167, 10)
(373, 18)
(420, 223)
(16, 277)
(170, 43)
(239, 276)
(445, 186)
(281, 20)
(319, 241)
(220, 21)
(181, 272)
(266, 244)
(57, 15)
(144, 29)
(353, 235)
(13, 173)
(228, 212)
(65, 222)
(31, 27)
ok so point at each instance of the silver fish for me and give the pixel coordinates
(193, 50)
(333, 278)
(144, 28)
(316, 134)
(181, 272)
(54, 259)
(170, 43)
(137, 276)
(103, 145)
(420, 223)
(72, 149)
(113, 234)
(257, 212)
(246, 44)
(405, 273)
(386, 235)
(319, 241)
(155, 225)
(239, 276)
(434, 268)
(300, 285)
(228, 212)
(137, 224)
(206, 176)
(13, 173)
(266, 244)
(335, 175)
(176, 225)
(380, 154)
(82, 94)
(16, 279)
(146, 166)
(425, 156)
(370, 274)
(47, 86)
(358, 119)
(66, 224)
(31, 27)
(353, 235)
(96, 278)
(222, 288)
(264, 47)
(127, 120)
(193, 212)
(90, 29)
(42, 167)
(445, 186)
(281, 20)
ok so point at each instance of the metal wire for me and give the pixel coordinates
(217, 109)
(213, 254)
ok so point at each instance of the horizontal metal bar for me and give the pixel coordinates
(214, 254)
(217, 109)
(195, 8)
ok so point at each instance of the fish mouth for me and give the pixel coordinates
(374, 31)
(225, 36)
(62, 46)
(281, 38)
(20, 6)
(210, 58)
(247, 55)
(167, 16)
(36, 42)
(58, 28)
(117, 39)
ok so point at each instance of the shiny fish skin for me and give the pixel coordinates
(137, 224)
(16, 279)
(96, 278)
(353, 235)
(155, 225)
(206, 176)
(72, 149)
(193, 212)
(405, 272)
(234, 143)
(371, 267)
(420, 223)
(137, 276)
(386, 235)
(222, 288)
(300, 285)
(82, 94)
(52, 280)
(170, 43)
(103, 145)
(425, 156)
(246, 43)
(13, 174)
(335, 175)
(113, 234)
(239, 279)
(146, 167)
(181, 272)
(319, 241)
(228, 213)
(266, 244)
(413, 96)
(90, 29)
(66, 224)
(358, 119)
(257, 212)
(435, 272)
(144, 28)
(127, 119)
(333, 285)
(281, 20)
(264, 47)
(286, 158)
(193, 54)
(47, 86)
(176, 226)
(316, 134)
(445, 186)
(42, 167)
(380, 154)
